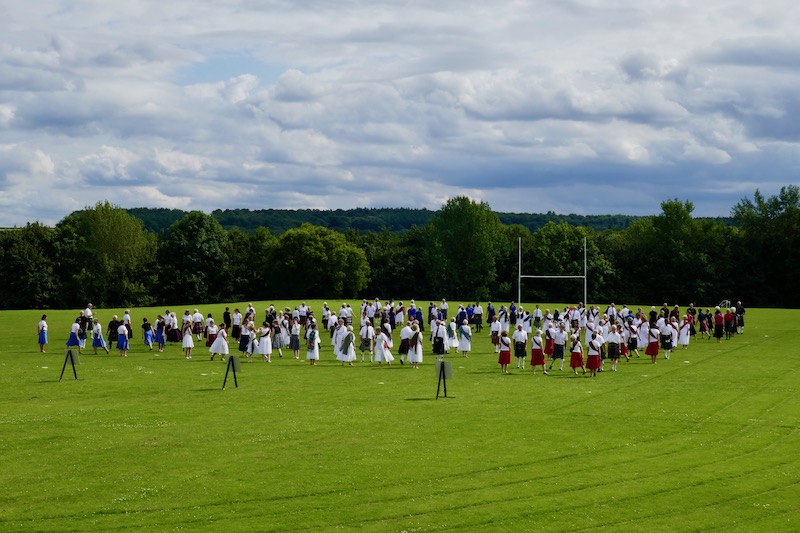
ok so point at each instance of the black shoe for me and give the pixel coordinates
(401, 362)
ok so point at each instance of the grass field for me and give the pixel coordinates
(708, 441)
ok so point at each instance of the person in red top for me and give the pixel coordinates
(730, 323)
(719, 324)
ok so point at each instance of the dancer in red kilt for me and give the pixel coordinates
(576, 355)
(537, 353)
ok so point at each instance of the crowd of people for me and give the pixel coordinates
(590, 337)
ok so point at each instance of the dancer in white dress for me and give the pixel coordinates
(312, 345)
(264, 334)
(464, 338)
(347, 348)
(383, 348)
(188, 340)
(415, 347)
(220, 344)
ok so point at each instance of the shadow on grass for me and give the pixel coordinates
(420, 399)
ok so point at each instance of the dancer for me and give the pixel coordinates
(593, 359)
(504, 357)
(265, 342)
(220, 344)
(97, 337)
(685, 332)
(294, 338)
(465, 338)
(161, 333)
(652, 343)
(383, 349)
(415, 347)
(312, 347)
(615, 342)
(147, 333)
(366, 335)
(123, 343)
(520, 339)
(537, 352)
(42, 330)
(347, 350)
(576, 355)
(494, 331)
(188, 340)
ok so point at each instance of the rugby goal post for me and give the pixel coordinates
(584, 276)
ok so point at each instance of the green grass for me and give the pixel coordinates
(707, 441)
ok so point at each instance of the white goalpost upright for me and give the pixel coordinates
(584, 276)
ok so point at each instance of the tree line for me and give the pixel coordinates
(396, 219)
(464, 251)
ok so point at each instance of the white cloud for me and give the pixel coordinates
(399, 104)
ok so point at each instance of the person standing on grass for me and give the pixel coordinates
(366, 335)
(593, 355)
(464, 338)
(559, 346)
(452, 334)
(294, 337)
(576, 354)
(439, 340)
(264, 334)
(187, 341)
(312, 346)
(126, 319)
(83, 328)
(220, 344)
(494, 332)
(665, 336)
(685, 332)
(97, 337)
(123, 343)
(347, 349)
(652, 343)
(415, 347)
(740, 312)
(236, 324)
(277, 338)
(537, 352)
(632, 335)
(730, 324)
(147, 333)
(42, 331)
(112, 330)
(161, 333)
(520, 339)
(383, 349)
(74, 340)
(198, 324)
(614, 342)
(504, 352)
(719, 324)
(405, 340)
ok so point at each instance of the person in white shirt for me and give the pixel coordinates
(613, 343)
(197, 324)
(520, 339)
(477, 316)
(366, 335)
(405, 341)
(559, 337)
(443, 308)
(537, 317)
(439, 340)
(42, 333)
(383, 349)
(415, 347)
(494, 332)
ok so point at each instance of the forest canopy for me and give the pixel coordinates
(464, 251)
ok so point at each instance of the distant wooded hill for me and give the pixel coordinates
(364, 219)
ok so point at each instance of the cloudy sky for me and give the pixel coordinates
(574, 106)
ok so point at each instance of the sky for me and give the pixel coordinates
(571, 106)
